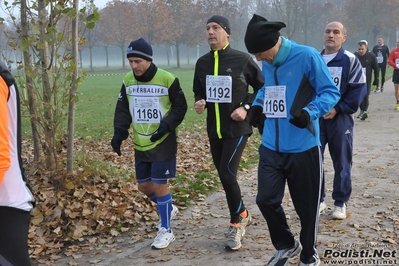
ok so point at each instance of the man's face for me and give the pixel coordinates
(139, 65)
(217, 37)
(380, 41)
(334, 37)
(267, 55)
(362, 49)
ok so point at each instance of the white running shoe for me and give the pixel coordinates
(163, 239)
(234, 237)
(339, 213)
(173, 215)
(322, 207)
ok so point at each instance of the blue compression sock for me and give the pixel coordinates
(165, 210)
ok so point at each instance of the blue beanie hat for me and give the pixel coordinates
(139, 48)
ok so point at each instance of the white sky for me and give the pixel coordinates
(99, 3)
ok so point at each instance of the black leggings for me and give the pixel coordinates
(226, 155)
(383, 68)
(14, 225)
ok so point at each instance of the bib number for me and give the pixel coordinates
(146, 110)
(275, 104)
(336, 75)
(218, 89)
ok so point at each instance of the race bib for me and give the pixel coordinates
(146, 110)
(218, 89)
(380, 59)
(275, 104)
(364, 70)
(336, 75)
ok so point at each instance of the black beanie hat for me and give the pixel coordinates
(222, 21)
(139, 48)
(261, 34)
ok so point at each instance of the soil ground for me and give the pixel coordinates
(369, 236)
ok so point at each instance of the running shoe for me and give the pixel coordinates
(339, 213)
(364, 116)
(316, 263)
(234, 237)
(397, 107)
(163, 239)
(281, 257)
(322, 207)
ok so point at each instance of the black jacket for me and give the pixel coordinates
(244, 72)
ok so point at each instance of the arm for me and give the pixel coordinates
(122, 116)
(179, 105)
(254, 77)
(5, 161)
(355, 90)
(391, 60)
(327, 94)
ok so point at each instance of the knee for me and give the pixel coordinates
(146, 188)
(264, 200)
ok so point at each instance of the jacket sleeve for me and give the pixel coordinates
(391, 60)
(254, 77)
(355, 91)
(122, 117)
(199, 92)
(179, 105)
(5, 161)
(327, 94)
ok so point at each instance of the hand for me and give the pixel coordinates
(162, 130)
(375, 82)
(200, 106)
(301, 119)
(255, 116)
(116, 143)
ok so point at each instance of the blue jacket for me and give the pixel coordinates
(309, 86)
(353, 82)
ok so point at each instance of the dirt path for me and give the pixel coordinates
(369, 236)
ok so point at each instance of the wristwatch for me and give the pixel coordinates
(247, 107)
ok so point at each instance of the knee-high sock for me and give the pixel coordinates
(165, 210)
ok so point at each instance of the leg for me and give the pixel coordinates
(14, 225)
(305, 193)
(341, 151)
(323, 141)
(226, 155)
(271, 185)
(383, 68)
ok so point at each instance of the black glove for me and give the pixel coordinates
(116, 143)
(301, 119)
(162, 130)
(375, 82)
(255, 116)
(262, 124)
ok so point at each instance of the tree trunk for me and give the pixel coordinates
(73, 89)
(29, 86)
(106, 56)
(49, 134)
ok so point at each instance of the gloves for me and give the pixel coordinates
(262, 124)
(301, 119)
(375, 82)
(255, 116)
(162, 130)
(116, 143)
